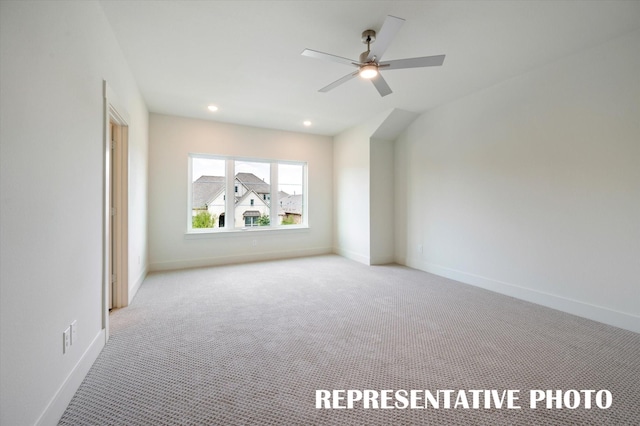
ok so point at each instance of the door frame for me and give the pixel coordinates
(116, 184)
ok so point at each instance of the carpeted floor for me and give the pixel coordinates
(251, 344)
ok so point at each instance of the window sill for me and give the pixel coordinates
(231, 233)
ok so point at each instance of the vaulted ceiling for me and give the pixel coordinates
(244, 56)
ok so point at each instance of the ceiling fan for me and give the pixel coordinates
(369, 63)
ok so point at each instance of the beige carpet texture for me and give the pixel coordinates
(255, 344)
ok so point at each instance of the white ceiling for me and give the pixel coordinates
(244, 56)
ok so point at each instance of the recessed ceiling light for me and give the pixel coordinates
(306, 123)
(212, 108)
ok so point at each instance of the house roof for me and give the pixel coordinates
(206, 188)
(253, 183)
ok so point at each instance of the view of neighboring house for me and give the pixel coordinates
(252, 201)
(291, 205)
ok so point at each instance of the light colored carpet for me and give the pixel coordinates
(250, 344)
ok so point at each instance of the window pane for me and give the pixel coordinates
(290, 196)
(253, 193)
(207, 192)
(250, 191)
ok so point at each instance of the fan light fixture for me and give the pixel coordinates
(369, 63)
(368, 71)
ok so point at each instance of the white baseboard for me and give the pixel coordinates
(381, 260)
(352, 255)
(58, 404)
(133, 290)
(597, 313)
(242, 258)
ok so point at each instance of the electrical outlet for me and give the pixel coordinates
(254, 243)
(74, 332)
(420, 248)
(66, 340)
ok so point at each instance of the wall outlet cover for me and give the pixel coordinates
(66, 340)
(74, 332)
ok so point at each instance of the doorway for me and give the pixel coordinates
(115, 286)
(118, 265)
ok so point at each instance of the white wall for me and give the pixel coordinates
(532, 187)
(351, 193)
(364, 199)
(173, 138)
(54, 57)
(382, 199)
(138, 195)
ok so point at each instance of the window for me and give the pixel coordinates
(207, 192)
(252, 178)
(251, 219)
(254, 184)
(291, 193)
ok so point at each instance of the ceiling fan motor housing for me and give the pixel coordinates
(363, 57)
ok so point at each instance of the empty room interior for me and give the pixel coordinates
(209, 215)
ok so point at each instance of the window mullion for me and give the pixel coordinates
(190, 194)
(230, 199)
(305, 195)
(273, 207)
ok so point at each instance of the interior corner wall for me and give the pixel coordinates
(363, 163)
(532, 187)
(173, 138)
(351, 194)
(54, 57)
(382, 202)
(138, 194)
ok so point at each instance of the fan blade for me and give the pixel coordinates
(425, 61)
(381, 85)
(321, 55)
(338, 82)
(385, 36)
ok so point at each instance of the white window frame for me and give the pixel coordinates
(229, 225)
